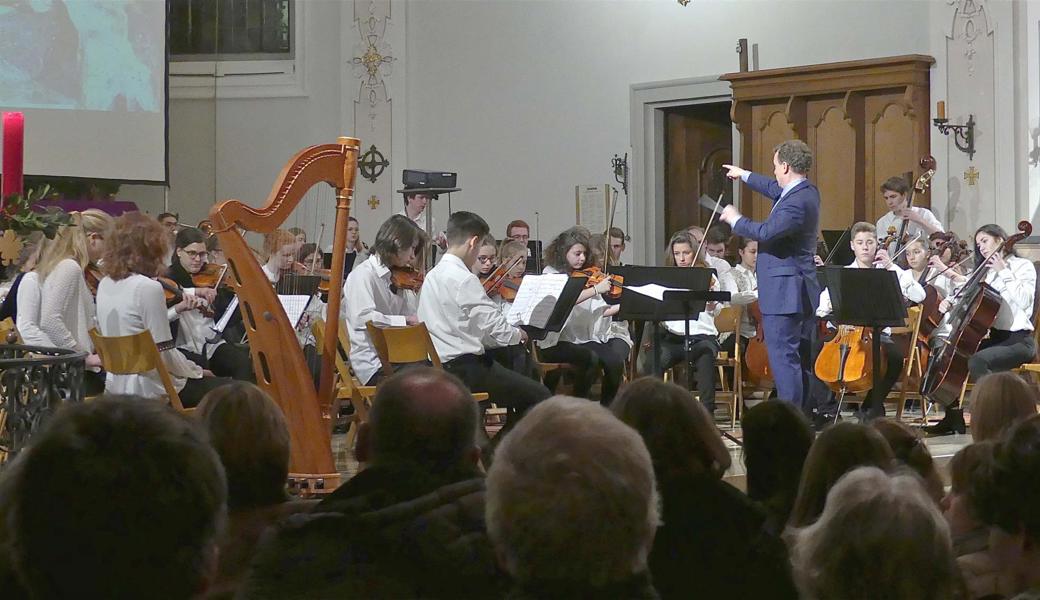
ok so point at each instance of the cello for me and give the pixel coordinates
(968, 322)
(756, 357)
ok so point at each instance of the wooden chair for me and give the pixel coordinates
(910, 379)
(348, 387)
(728, 321)
(544, 368)
(136, 354)
(409, 344)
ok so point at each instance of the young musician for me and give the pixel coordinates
(583, 341)
(722, 267)
(787, 280)
(130, 300)
(66, 305)
(747, 291)
(300, 233)
(716, 240)
(519, 231)
(515, 358)
(485, 257)
(463, 321)
(921, 221)
(617, 245)
(195, 335)
(865, 247)
(928, 269)
(703, 335)
(369, 294)
(1010, 342)
(280, 249)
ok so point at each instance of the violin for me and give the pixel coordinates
(756, 357)
(175, 294)
(596, 275)
(210, 276)
(92, 274)
(500, 282)
(406, 278)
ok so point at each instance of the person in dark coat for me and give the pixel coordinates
(411, 524)
(711, 542)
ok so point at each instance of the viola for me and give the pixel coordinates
(92, 274)
(406, 278)
(210, 276)
(756, 357)
(596, 275)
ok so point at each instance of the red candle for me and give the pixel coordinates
(14, 146)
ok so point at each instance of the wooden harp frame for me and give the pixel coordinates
(278, 360)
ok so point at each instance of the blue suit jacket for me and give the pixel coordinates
(786, 246)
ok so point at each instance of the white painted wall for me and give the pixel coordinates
(527, 98)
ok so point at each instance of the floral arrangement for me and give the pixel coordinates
(19, 218)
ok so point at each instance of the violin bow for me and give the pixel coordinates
(903, 249)
(837, 245)
(714, 212)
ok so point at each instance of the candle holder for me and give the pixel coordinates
(963, 135)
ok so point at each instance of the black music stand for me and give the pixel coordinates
(561, 310)
(534, 257)
(866, 298)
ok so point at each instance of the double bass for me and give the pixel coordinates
(975, 307)
(921, 185)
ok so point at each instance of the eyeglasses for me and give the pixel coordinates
(485, 259)
(193, 254)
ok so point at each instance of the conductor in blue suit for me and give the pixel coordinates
(787, 289)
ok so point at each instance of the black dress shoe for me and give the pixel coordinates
(952, 422)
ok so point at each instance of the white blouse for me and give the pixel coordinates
(28, 317)
(66, 307)
(132, 305)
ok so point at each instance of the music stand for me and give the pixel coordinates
(866, 298)
(561, 311)
(534, 257)
(838, 242)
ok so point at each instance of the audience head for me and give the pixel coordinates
(880, 536)
(1010, 502)
(970, 469)
(677, 430)
(137, 244)
(777, 438)
(421, 416)
(571, 498)
(249, 432)
(998, 401)
(838, 450)
(569, 250)
(910, 450)
(398, 241)
(116, 498)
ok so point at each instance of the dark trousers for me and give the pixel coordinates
(704, 350)
(195, 389)
(505, 388)
(228, 360)
(789, 342)
(515, 358)
(1002, 351)
(588, 359)
(874, 403)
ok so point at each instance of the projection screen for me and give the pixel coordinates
(90, 76)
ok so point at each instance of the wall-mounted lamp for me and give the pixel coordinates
(963, 135)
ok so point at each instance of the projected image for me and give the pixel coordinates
(82, 54)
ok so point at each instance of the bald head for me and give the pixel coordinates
(425, 416)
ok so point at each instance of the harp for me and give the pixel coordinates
(278, 360)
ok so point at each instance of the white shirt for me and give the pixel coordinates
(132, 305)
(195, 331)
(725, 272)
(704, 324)
(912, 229)
(66, 307)
(747, 292)
(367, 297)
(28, 317)
(585, 323)
(1016, 284)
(460, 316)
(909, 286)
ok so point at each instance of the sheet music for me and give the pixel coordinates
(653, 290)
(294, 305)
(221, 325)
(592, 207)
(536, 299)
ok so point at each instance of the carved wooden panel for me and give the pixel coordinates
(865, 121)
(833, 142)
(698, 141)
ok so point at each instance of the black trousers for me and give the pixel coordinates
(229, 360)
(704, 350)
(1002, 351)
(515, 358)
(588, 360)
(195, 389)
(505, 388)
(874, 402)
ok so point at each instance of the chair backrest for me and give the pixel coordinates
(135, 354)
(728, 319)
(398, 345)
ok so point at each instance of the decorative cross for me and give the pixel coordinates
(373, 202)
(971, 176)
